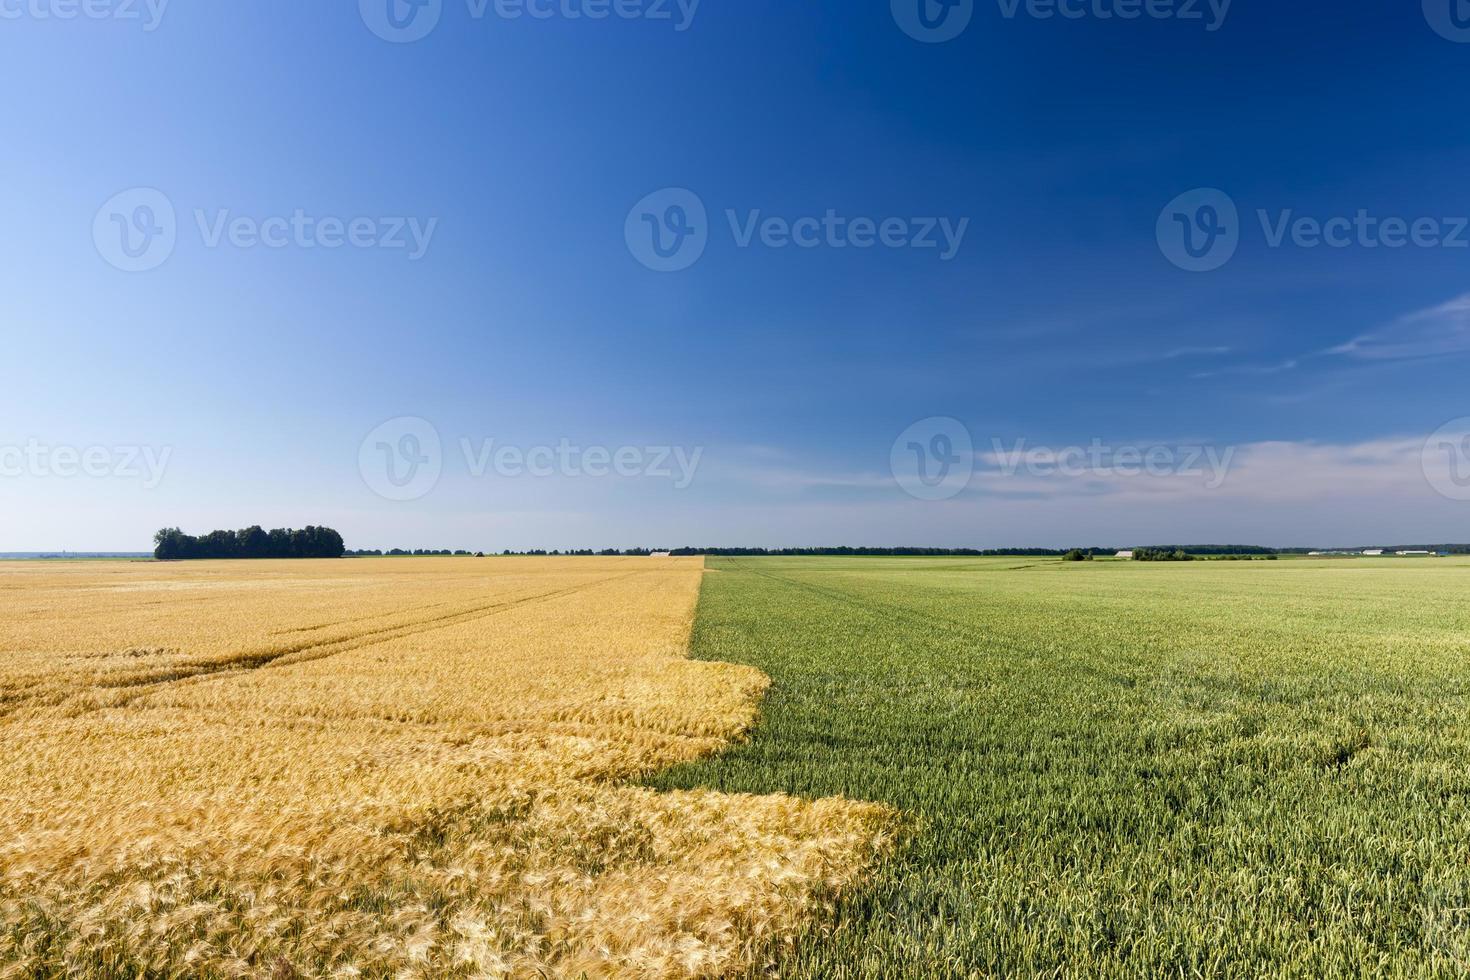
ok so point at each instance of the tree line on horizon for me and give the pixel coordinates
(321, 542)
(172, 544)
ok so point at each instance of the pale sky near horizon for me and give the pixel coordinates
(735, 274)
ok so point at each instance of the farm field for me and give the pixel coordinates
(1115, 769)
(401, 767)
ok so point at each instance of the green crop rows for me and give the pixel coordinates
(1117, 769)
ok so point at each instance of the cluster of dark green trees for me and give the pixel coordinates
(171, 544)
(1159, 554)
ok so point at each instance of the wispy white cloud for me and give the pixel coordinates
(1274, 492)
(1252, 370)
(1258, 473)
(1443, 329)
(1181, 352)
(1435, 332)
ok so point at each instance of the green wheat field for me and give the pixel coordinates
(1113, 769)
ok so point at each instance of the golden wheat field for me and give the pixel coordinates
(386, 767)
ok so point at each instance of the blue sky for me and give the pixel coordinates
(519, 148)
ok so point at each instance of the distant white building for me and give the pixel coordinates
(1373, 553)
(661, 554)
(1124, 554)
(1405, 554)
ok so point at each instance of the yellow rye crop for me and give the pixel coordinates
(385, 767)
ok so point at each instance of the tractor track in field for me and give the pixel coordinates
(306, 652)
(876, 608)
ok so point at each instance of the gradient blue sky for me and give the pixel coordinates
(528, 321)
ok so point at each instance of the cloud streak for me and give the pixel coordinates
(1440, 330)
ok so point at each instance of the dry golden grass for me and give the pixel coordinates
(392, 767)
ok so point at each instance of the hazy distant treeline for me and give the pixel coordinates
(171, 544)
(1151, 552)
(1210, 549)
(817, 552)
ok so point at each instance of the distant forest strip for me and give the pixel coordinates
(858, 552)
(171, 544)
(323, 542)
